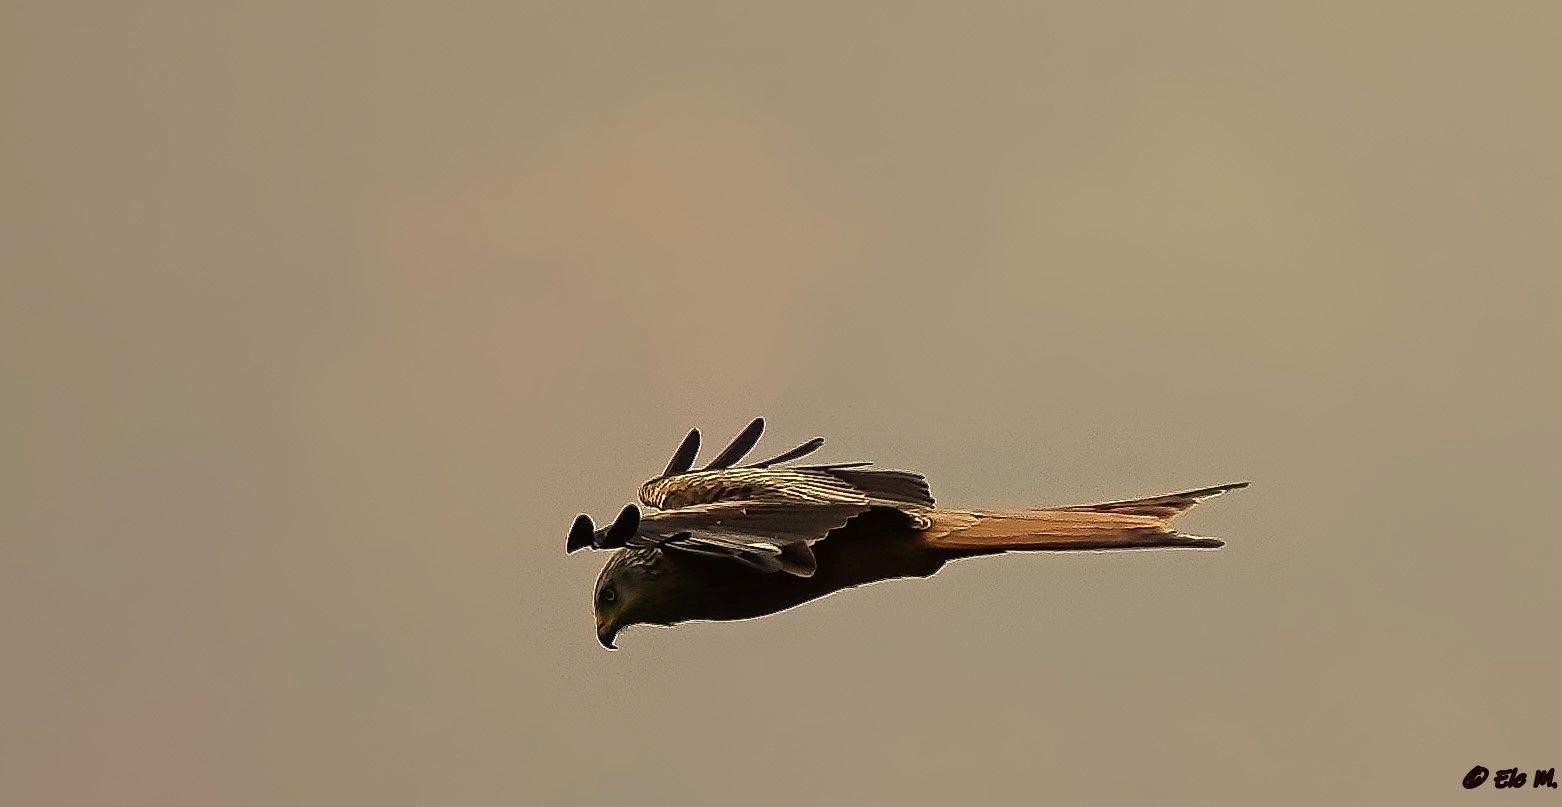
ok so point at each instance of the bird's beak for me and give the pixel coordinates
(606, 632)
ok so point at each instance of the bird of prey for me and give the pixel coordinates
(736, 542)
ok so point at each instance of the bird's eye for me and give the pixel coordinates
(609, 594)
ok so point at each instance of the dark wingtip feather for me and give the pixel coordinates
(740, 445)
(1205, 493)
(579, 534)
(624, 527)
(683, 458)
(801, 451)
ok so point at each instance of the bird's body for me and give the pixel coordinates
(735, 543)
(877, 545)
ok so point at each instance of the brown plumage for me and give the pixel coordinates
(739, 542)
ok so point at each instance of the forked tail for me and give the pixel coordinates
(1129, 524)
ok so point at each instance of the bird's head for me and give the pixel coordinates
(635, 587)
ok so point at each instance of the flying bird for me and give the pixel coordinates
(734, 542)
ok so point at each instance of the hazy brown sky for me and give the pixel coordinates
(319, 324)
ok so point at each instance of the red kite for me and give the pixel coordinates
(735, 542)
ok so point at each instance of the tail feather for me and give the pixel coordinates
(1128, 524)
(1165, 507)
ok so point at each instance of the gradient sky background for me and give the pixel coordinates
(320, 322)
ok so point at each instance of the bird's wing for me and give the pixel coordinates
(760, 514)
(817, 484)
(844, 483)
(770, 536)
